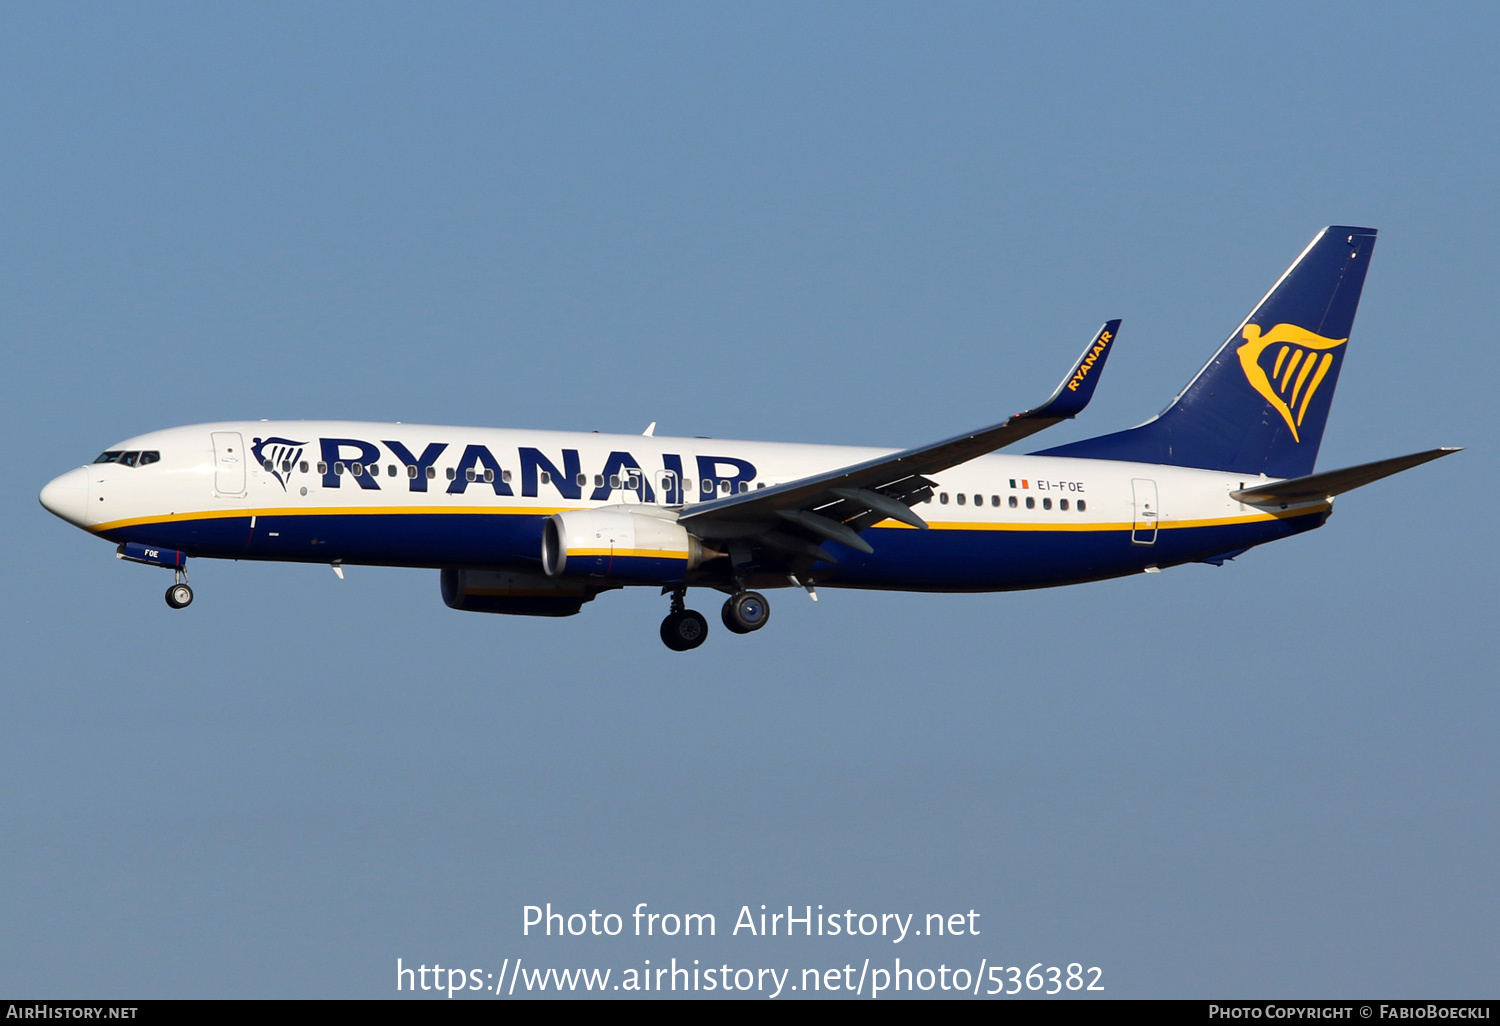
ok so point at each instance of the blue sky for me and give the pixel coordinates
(864, 224)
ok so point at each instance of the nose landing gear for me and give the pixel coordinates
(179, 595)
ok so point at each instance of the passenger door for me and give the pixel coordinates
(229, 463)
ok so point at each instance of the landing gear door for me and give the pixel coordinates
(1147, 511)
(229, 463)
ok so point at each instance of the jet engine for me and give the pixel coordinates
(618, 546)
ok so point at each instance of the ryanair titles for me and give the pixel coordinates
(1092, 357)
(444, 465)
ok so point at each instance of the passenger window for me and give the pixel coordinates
(504, 476)
(338, 469)
(431, 473)
(1030, 502)
(390, 470)
(489, 476)
(452, 473)
(724, 487)
(545, 476)
(943, 498)
(962, 498)
(303, 467)
(1062, 503)
(411, 472)
(1046, 504)
(598, 480)
(582, 479)
(286, 466)
(1012, 502)
(745, 487)
(322, 467)
(760, 484)
(1082, 506)
(995, 501)
(469, 474)
(614, 480)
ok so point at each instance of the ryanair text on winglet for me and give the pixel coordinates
(1087, 363)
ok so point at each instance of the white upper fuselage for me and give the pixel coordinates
(213, 471)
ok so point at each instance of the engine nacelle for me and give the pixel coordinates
(615, 545)
(518, 594)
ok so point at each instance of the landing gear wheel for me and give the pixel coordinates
(683, 630)
(179, 596)
(747, 611)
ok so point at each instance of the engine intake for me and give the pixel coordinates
(618, 546)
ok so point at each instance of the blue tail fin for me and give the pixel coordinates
(1260, 404)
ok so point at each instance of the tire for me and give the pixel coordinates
(748, 611)
(179, 596)
(727, 615)
(684, 631)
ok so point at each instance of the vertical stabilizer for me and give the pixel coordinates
(1260, 405)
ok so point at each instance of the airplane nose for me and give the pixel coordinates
(68, 496)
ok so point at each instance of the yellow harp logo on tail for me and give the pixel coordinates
(1298, 365)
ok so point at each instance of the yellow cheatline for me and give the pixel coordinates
(1164, 525)
(332, 511)
(622, 553)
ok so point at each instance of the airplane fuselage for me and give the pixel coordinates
(349, 493)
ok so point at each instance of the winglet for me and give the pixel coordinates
(1078, 387)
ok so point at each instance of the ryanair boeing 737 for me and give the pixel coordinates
(537, 523)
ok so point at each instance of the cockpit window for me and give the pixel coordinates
(130, 458)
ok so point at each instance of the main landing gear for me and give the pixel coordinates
(683, 629)
(179, 595)
(686, 629)
(746, 611)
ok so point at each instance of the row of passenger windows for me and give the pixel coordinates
(615, 480)
(962, 498)
(130, 458)
(471, 474)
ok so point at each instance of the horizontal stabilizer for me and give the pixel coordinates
(1334, 482)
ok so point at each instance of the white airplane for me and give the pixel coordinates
(539, 522)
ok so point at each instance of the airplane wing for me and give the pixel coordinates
(1334, 482)
(838, 504)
